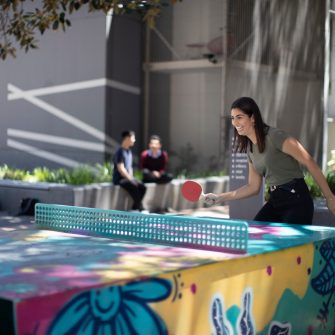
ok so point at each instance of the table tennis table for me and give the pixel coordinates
(90, 271)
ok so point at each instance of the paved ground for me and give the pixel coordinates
(9, 220)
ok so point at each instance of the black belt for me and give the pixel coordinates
(287, 186)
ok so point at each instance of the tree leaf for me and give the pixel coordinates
(55, 25)
(49, 14)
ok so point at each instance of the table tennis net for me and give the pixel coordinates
(172, 230)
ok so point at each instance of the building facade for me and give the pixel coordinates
(67, 103)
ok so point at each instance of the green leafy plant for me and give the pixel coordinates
(331, 172)
(313, 187)
(104, 172)
(84, 174)
(19, 26)
(138, 174)
(43, 174)
(80, 175)
(331, 180)
(8, 172)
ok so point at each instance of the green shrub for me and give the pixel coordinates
(138, 174)
(313, 187)
(104, 172)
(7, 172)
(43, 174)
(331, 172)
(80, 175)
(331, 180)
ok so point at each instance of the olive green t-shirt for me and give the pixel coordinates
(273, 164)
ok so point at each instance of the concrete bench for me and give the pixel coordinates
(102, 195)
(109, 196)
(322, 216)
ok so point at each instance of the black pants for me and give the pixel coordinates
(149, 177)
(287, 206)
(136, 190)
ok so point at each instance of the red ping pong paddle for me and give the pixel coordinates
(192, 191)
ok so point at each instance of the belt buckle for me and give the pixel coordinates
(273, 188)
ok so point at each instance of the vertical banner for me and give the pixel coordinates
(244, 208)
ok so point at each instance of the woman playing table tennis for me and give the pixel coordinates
(278, 157)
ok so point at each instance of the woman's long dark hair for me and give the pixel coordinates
(249, 107)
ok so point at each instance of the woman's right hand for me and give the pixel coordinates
(212, 199)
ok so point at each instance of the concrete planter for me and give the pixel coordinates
(322, 215)
(102, 195)
(109, 196)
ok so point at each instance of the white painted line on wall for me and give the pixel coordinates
(123, 87)
(59, 140)
(81, 85)
(42, 153)
(75, 122)
(76, 86)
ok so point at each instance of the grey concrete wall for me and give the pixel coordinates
(160, 83)
(288, 85)
(124, 68)
(69, 127)
(299, 112)
(75, 63)
(82, 88)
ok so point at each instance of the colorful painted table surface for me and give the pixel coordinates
(37, 262)
(60, 283)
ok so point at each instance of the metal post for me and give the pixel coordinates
(326, 83)
(146, 86)
(223, 124)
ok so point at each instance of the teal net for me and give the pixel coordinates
(179, 231)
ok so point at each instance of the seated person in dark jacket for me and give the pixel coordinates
(153, 163)
(123, 170)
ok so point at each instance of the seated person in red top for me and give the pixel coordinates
(153, 163)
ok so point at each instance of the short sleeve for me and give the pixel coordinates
(118, 158)
(278, 137)
(249, 156)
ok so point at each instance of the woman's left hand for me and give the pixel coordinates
(331, 204)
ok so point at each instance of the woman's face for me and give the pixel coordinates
(243, 123)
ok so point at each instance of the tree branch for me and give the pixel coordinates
(18, 27)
